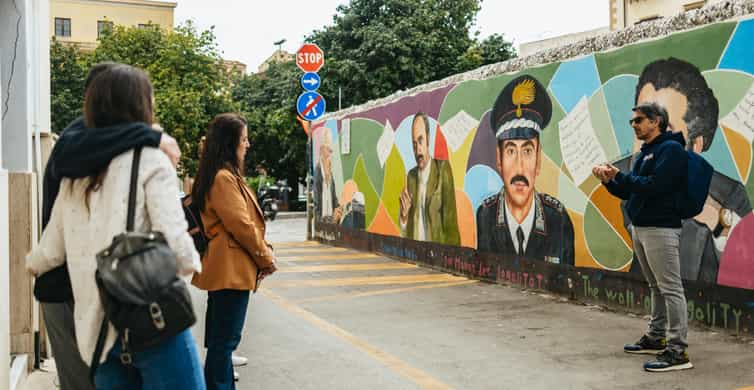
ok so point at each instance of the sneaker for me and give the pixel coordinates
(669, 360)
(239, 361)
(235, 376)
(646, 345)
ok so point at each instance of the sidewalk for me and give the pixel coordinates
(341, 319)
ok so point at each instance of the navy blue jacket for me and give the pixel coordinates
(79, 153)
(652, 187)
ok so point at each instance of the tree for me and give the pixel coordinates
(277, 141)
(377, 47)
(191, 85)
(69, 68)
(491, 50)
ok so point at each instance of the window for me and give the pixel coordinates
(103, 26)
(62, 27)
(149, 25)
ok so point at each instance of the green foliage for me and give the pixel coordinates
(68, 70)
(268, 101)
(254, 181)
(191, 85)
(377, 47)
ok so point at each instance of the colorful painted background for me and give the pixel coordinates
(379, 154)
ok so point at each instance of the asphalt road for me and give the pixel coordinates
(334, 318)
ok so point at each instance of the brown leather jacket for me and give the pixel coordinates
(234, 224)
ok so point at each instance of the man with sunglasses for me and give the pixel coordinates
(651, 191)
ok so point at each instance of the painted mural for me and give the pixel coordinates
(503, 165)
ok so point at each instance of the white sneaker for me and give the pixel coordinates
(235, 376)
(239, 361)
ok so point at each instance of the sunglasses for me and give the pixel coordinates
(636, 120)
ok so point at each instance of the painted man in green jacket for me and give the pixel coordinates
(428, 201)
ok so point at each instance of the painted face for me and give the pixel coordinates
(420, 142)
(243, 146)
(325, 152)
(520, 164)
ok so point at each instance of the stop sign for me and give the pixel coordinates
(310, 58)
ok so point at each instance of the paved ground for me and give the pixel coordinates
(334, 318)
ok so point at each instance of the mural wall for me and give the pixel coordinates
(503, 165)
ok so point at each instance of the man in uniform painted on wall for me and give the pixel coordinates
(693, 110)
(428, 200)
(519, 221)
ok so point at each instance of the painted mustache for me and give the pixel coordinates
(420, 158)
(519, 178)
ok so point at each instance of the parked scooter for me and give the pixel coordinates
(267, 195)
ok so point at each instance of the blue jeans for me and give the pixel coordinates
(226, 313)
(173, 364)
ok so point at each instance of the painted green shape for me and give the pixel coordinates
(602, 125)
(395, 177)
(550, 136)
(477, 96)
(371, 199)
(606, 246)
(701, 47)
(570, 195)
(364, 136)
(729, 88)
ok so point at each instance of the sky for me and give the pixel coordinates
(246, 29)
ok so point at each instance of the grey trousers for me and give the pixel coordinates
(658, 252)
(73, 373)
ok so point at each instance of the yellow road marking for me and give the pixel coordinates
(347, 267)
(417, 376)
(312, 249)
(383, 292)
(351, 256)
(296, 244)
(366, 281)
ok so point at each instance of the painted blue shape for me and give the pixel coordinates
(310, 81)
(739, 54)
(311, 105)
(719, 156)
(404, 143)
(480, 183)
(574, 80)
(619, 95)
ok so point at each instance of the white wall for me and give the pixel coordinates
(4, 269)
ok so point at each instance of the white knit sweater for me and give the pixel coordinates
(75, 234)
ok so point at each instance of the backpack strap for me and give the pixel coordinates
(132, 190)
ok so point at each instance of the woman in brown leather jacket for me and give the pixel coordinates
(237, 256)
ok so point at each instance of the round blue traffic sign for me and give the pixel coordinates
(311, 105)
(310, 81)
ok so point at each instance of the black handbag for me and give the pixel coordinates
(139, 287)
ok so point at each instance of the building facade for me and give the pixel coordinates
(279, 56)
(626, 13)
(81, 22)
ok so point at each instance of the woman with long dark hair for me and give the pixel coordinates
(89, 212)
(237, 256)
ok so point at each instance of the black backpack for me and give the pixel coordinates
(195, 225)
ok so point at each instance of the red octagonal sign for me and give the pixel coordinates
(310, 58)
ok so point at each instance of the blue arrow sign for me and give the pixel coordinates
(311, 105)
(310, 81)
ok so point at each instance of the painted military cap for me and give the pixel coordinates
(522, 110)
